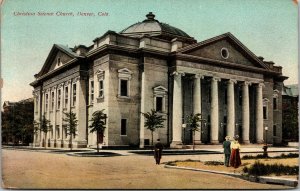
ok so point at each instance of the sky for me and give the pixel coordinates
(267, 27)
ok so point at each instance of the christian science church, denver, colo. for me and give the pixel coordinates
(152, 65)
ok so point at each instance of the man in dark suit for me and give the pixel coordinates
(158, 147)
(227, 150)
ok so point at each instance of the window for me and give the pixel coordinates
(274, 130)
(124, 82)
(52, 100)
(209, 95)
(124, 88)
(66, 96)
(58, 98)
(58, 61)
(51, 131)
(265, 112)
(160, 94)
(265, 108)
(46, 103)
(74, 94)
(100, 75)
(275, 103)
(147, 142)
(123, 126)
(66, 132)
(92, 92)
(159, 104)
(224, 53)
(101, 89)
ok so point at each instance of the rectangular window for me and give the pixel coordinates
(52, 101)
(58, 99)
(46, 103)
(209, 95)
(123, 126)
(66, 96)
(124, 88)
(274, 130)
(66, 132)
(159, 104)
(92, 92)
(101, 89)
(265, 112)
(74, 94)
(275, 103)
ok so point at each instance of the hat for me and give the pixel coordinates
(158, 139)
(236, 137)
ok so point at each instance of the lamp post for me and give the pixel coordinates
(183, 127)
(265, 147)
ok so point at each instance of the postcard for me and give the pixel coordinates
(135, 94)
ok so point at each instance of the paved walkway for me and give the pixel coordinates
(41, 170)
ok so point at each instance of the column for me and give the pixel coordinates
(214, 119)
(197, 104)
(142, 118)
(177, 112)
(80, 110)
(245, 113)
(259, 114)
(230, 108)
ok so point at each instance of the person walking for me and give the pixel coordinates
(227, 150)
(158, 147)
(235, 159)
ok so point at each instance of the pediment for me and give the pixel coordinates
(160, 89)
(224, 48)
(58, 56)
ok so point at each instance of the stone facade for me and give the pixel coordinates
(134, 71)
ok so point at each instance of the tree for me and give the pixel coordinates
(290, 124)
(44, 127)
(71, 123)
(194, 121)
(98, 124)
(153, 121)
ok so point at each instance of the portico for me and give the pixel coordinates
(224, 110)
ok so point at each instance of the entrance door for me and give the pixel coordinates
(100, 137)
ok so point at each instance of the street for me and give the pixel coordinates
(39, 170)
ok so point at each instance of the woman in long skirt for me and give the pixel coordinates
(235, 160)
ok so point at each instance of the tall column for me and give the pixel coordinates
(142, 120)
(177, 112)
(259, 114)
(80, 110)
(245, 113)
(197, 104)
(230, 108)
(214, 119)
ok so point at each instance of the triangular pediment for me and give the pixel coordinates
(58, 56)
(224, 48)
(160, 89)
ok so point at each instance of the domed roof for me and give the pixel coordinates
(153, 27)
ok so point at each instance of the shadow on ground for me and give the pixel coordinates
(94, 154)
(178, 152)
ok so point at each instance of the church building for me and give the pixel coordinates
(153, 65)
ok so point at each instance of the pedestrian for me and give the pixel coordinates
(235, 159)
(227, 150)
(158, 147)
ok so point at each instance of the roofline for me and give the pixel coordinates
(231, 36)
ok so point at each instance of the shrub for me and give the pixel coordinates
(214, 163)
(259, 169)
(260, 156)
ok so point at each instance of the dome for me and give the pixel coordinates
(153, 27)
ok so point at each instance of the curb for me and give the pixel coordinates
(259, 179)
